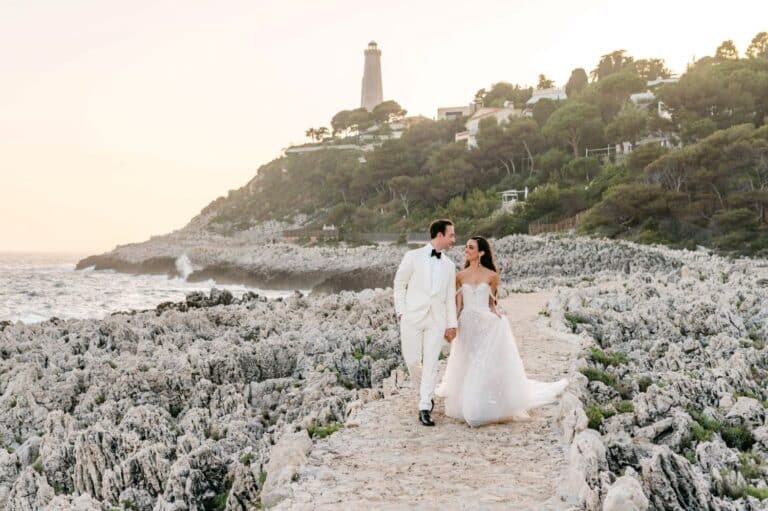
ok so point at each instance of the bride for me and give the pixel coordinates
(484, 380)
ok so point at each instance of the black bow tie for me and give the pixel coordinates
(435, 253)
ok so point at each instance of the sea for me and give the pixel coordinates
(35, 287)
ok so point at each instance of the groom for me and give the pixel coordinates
(425, 303)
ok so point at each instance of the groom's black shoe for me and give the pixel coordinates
(425, 419)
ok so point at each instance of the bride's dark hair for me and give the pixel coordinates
(487, 258)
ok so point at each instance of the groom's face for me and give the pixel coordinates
(446, 240)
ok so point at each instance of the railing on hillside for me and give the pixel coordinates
(331, 233)
(543, 224)
(393, 237)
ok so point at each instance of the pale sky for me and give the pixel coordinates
(120, 120)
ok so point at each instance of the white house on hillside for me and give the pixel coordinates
(644, 101)
(555, 94)
(454, 112)
(501, 115)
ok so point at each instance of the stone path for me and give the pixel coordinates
(384, 459)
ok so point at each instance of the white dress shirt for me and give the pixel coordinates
(434, 264)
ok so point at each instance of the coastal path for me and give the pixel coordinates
(384, 459)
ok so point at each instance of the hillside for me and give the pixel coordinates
(708, 187)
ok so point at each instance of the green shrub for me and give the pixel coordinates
(595, 416)
(129, 505)
(316, 431)
(219, 501)
(595, 374)
(737, 437)
(625, 406)
(700, 433)
(644, 382)
(608, 358)
(574, 320)
(758, 493)
(705, 422)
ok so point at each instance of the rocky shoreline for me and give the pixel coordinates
(181, 407)
(275, 265)
(673, 383)
(525, 262)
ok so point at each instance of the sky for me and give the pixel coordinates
(122, 120)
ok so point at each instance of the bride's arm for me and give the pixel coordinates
(459, 298)
(494, 289)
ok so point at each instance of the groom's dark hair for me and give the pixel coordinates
(438, 227)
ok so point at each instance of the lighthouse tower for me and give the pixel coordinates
(372, 93)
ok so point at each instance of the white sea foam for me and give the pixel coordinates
(184, 266)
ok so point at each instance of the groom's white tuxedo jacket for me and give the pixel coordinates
(418, 296)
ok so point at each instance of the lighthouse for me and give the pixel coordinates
(372, 92)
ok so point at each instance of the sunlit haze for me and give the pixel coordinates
(119, 120)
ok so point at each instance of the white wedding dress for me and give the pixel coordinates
(485, 380)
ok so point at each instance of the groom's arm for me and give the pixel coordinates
(450, 300)
(402, 276)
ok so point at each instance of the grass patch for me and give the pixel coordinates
(596, 415)
(704, 422)
(262, 477)
(731, 488)
(750, 465)
(129, 505)
(608, 358)
(625, 406)
(745, 393)
(38, 466)
(357, 353)
(758, 493)
(316, 431)
(246, 459)
(595, 374)
(574, 320)
(700, 433)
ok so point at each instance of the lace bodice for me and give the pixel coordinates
(476, 296)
